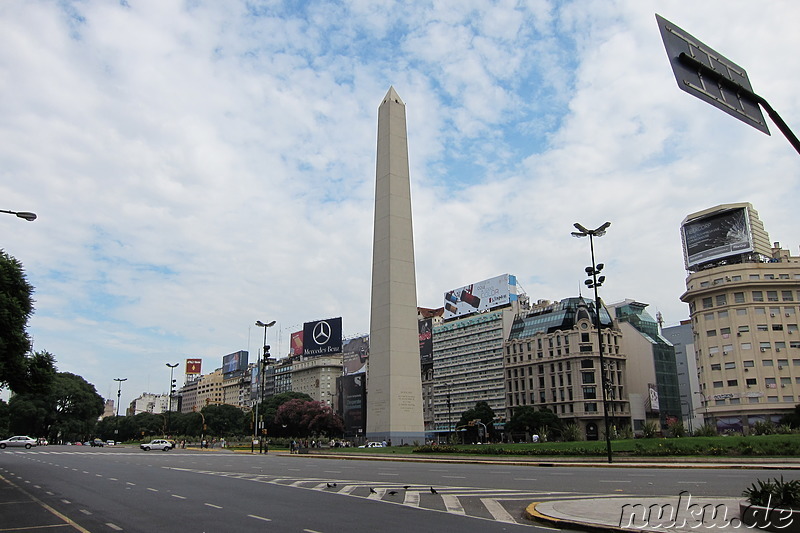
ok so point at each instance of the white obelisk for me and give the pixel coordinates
(394, 384)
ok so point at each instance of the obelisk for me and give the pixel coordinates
(394, 384)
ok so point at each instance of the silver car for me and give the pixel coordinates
(157, 444)
(19, 440)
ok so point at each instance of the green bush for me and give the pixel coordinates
(774, 493)
(649, 430)
(706, 430)
(571, 432)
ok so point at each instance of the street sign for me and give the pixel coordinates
(705, 73)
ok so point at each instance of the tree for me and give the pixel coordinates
(308, 418)
(223, 420)
(16, 307)
(526, 419)
(269, 408)
(482, 412)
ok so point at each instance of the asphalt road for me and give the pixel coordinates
(126, 489)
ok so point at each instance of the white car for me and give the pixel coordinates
(157, 444)
(19, 440)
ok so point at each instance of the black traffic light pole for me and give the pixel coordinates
(171, 391)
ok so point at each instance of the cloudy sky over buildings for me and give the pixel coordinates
(197, 166)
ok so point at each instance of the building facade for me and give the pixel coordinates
(743, 309)
(552, 361)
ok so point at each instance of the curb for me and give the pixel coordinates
(531, 513)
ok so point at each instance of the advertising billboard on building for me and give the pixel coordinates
(323, 337)
(716, 236)
(193, 366)
(481, 296)
(234, 362)
(355, 353)
(296, 342)
(653, 393)
(426, 341)
(352, 403)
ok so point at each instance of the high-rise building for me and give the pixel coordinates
(552, 361)
(651, 366)
(743, 302)
(682, 340)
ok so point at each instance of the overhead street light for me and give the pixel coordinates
(27, 215)
(262, 362)
(171, 391)
(594, 282)
(119, 394)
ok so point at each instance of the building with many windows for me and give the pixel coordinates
(743, 298)
(552, 361)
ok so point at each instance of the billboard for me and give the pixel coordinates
(426, 341)
(194, 366)
(716, 236)
(234, 362)
(296, 347)
(323, 337)
(653, 394)
(352, 403)
(355, 353)
(481, 296)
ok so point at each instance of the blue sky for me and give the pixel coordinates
(197, 166)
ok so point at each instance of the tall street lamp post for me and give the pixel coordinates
(171, 390)
(594, 282)
(27, 215)
(119, 394)
(262, 363)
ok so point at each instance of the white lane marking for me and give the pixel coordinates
(259, 518)
(129, 483)
(115, 527)
(85, 511)
(152, 490)
(113, 479)
(614, 481)
(452, 504)
(178, 496)
(497, 511)
(455, 477)
(411, 498)
(66, 501)
(212, 505)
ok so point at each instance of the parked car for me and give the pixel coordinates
(111, 443)
(97, 442)
(372, 445)
(157, 444)
(19, 440)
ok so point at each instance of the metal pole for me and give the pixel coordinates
(169, 407)
(119, 395)
(603, 382)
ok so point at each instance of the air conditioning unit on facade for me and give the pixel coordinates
(780, 367)
(763, 350)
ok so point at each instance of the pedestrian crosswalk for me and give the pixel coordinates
(503, 505)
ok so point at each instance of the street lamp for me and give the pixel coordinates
(594, 282)
(171, 390)
(257, 429)
(27, 215)
(119, 394)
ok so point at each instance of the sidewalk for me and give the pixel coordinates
(678, 514)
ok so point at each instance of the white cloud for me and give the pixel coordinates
(196, 169)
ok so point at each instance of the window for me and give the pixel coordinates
(762, 327)
(767, 362)
(745, 346)
(761, 311)
(590, 407)
(751, 382)
(787, 296)
(707, 303)
(758, 296)
(744, 329)
(729, 365)
(716, 366)
(722, 314)
(718, 384)
(764, 346)
(753, 400)
(587, 377)
(725, 332)
(711, 333)
(708, 316)
(772, 296)
(770, 383)
(585, 336)
(733, 383)
(783, 362)
(754, 276)
(748, 364)
(741, 312)
(587, 363)
(738, 297)
(722, 299)
(589, 393)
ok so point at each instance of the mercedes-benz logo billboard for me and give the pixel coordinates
(322, 337)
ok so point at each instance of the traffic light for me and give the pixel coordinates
(266, 351)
